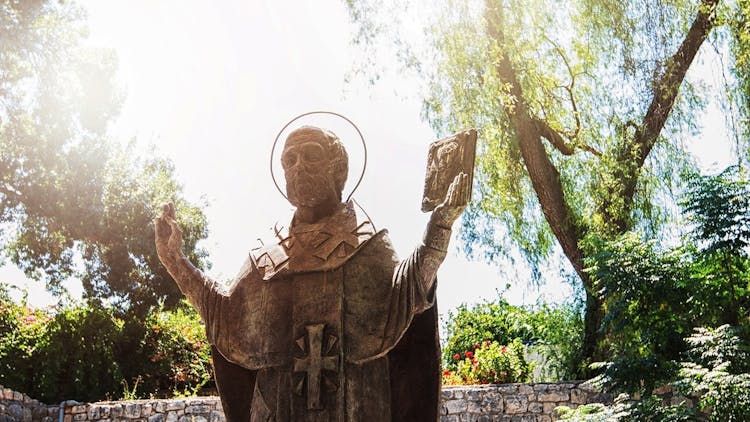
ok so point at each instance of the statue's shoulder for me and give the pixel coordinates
(321, 246)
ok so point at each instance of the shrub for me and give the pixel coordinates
(177, 354)
(490, 363)
(553, 333)
(89, 353)
(66, 355)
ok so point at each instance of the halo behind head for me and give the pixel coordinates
(276, 141)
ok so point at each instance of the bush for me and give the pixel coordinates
(178, 353)
(88, 353)
(67, 355)
(552, 333)
(490, 363)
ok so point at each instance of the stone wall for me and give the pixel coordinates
(17, 407)
(478, 403)
(513, 402)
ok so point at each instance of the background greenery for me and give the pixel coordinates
(88, 353)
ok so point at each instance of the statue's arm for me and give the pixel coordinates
(200, 290)
(431, 253)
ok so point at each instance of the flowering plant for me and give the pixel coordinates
(490, 363)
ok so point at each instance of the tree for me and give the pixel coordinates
(74, 202)
(582, 107)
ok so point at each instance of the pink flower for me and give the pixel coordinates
(30, 319)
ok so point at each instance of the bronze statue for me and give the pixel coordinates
(325, 324)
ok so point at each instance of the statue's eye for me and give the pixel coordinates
(313, 154)
(289, 159)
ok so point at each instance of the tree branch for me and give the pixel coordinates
(666, 89)
(555, 138)
(668, 85)
(545, 178)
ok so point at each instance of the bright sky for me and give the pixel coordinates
(211, 83)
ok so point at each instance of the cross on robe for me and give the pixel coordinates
(314, 364)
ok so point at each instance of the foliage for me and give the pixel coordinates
(655, 296)
(490, 363)
(718, 207)
(74, 203)
(583, 109)
(553, 332)
(718, 370)
(180, 356)
(651, 302)
(650, 409)
(88, 353)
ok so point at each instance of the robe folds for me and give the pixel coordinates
(326, 325)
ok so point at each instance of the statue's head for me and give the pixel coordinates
(315, 165)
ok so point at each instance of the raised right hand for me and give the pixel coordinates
(168, 234)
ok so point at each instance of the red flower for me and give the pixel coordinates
(486, 342)
(503, 349)
(474, 361)
(447, 372)
(469, 354)
(476, 345)
(456, 356)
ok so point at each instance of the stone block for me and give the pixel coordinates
(192, 418)
(160, 406)
(524, 418)
(175, 405)
(115, 411)
(492, 405)
(172, 416)
(474, 407)
(578, 396)
(80, 417)
(525, 389)
(131, 411)
(476, 394)
(549, 408)
(446, 393)
(17, 396)
(80, 408)
(217, 416)
(159, 417)
(146, 410)
(556, 396)
(516, 404)
(455, 406)
(507, 388)
(450, 418)
(536, 407)
(197, 409)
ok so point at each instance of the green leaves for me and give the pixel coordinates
(73, 202)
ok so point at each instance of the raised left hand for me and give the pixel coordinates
(455, 202)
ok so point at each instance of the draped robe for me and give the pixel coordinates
(326, 325)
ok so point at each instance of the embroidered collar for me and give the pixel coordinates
(320, 246)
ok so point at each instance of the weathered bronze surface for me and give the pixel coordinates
(325, 324)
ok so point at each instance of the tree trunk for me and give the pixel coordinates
(547, 185)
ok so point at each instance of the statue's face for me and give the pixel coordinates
(309, 174)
